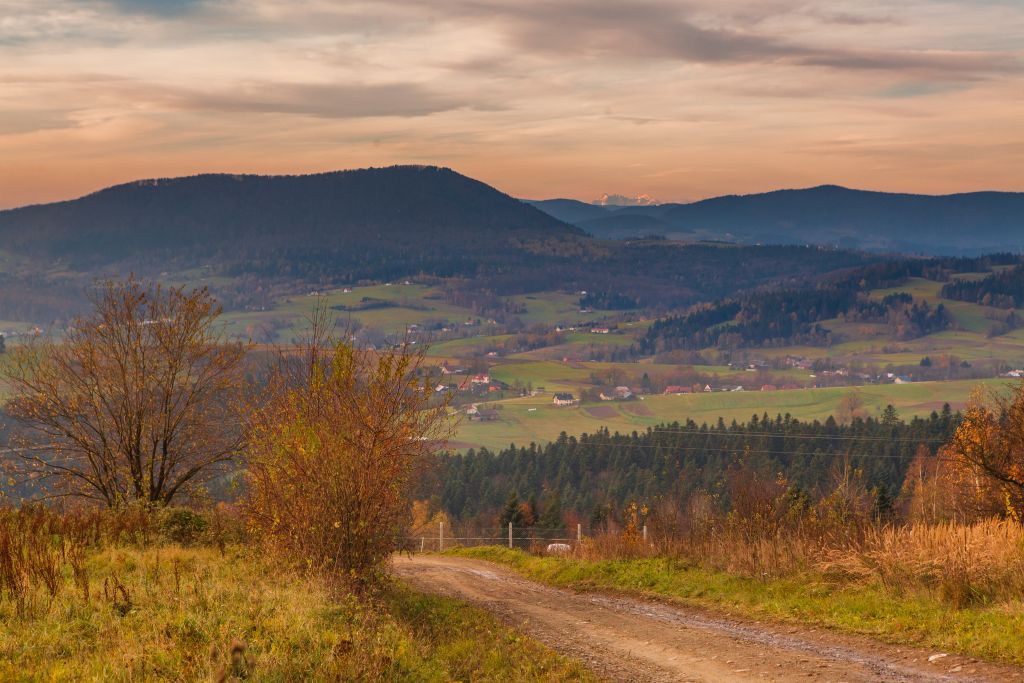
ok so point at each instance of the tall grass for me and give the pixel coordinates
(962, 564)
(40, 547)
(770, 530)
(114, 597)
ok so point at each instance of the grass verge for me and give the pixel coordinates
(192, 614)
(988, 632)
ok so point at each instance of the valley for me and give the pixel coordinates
(545, 344)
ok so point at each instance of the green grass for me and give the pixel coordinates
(470, 347)
(523, 420)
(414, 304)
(187, 606)
(995, 633)
(556, 307)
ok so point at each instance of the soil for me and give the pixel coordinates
(629, 639)
(602, 412)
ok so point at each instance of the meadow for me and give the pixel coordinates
(536, 419)
(157, 603)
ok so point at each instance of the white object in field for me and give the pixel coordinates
(559, 548)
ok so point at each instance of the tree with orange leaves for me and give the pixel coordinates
(988, 451)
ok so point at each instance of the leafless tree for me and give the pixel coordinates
(135, 402)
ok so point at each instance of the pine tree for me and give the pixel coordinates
(890, 418)
(511, 512)
(552, 515)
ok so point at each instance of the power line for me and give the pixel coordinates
(787, 435)
(737, 450)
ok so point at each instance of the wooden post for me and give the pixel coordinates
(510, 535)
(440, 536)
(645, 533)
(579, 532)
(422, 542)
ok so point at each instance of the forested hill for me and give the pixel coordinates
(970, 223)
(377, 224)
(398, 208)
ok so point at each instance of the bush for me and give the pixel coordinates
(182, 525)
(335, 445)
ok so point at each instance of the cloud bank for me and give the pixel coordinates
(679, 99)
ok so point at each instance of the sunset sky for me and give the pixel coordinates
(575, 98)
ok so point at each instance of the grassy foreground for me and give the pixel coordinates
(988, 632)
(193, 613)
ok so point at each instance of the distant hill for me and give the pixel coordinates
(254, 235)
(972, 223)
(397, 209)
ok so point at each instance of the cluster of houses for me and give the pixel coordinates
(707, 388)
(616, 394)
(459, 380)
(477, 414)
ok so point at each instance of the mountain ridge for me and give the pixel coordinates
(951, 224)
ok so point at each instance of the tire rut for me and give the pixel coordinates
(628, 639)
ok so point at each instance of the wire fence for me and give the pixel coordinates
(443, 537)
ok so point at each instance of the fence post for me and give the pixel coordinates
(645, 533)
(579, 532)
(510, 535)
(440, 537)
(422, 543)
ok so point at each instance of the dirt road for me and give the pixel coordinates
(627, 639)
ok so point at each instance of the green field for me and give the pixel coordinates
(523, 420)
(412, 304)
(553, 308)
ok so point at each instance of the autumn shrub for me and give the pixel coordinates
(335, 444)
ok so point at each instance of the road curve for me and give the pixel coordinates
(626, 639)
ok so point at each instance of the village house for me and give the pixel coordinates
(564, 399)
(478, 414)
(672, 390)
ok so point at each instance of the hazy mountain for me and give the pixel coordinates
(570, 210)
(626, 200)
(948, 224)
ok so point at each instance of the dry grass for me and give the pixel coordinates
(99, 607)
(959, 564)
(979, 563)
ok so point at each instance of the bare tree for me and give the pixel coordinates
(335, 445)
(135, 402)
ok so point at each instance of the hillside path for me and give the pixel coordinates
(629, 639)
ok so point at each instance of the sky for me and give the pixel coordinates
(677, 100)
